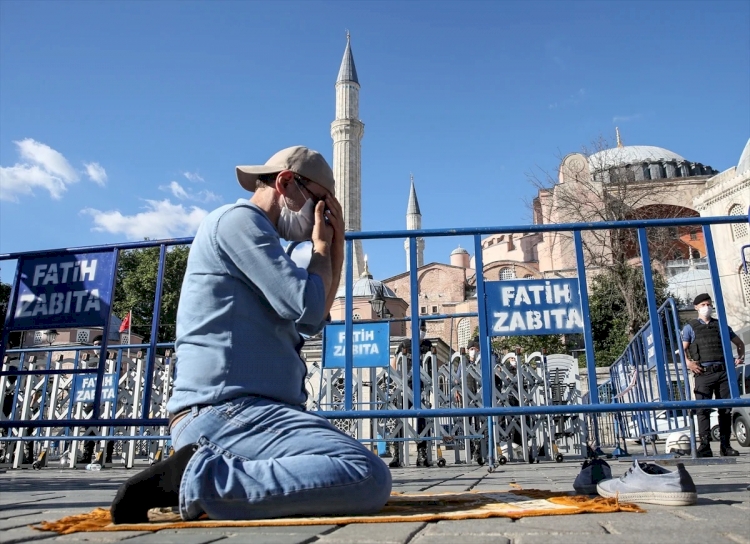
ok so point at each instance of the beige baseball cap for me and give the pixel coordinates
(298, 159)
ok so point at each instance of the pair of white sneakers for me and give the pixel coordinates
(643, 482)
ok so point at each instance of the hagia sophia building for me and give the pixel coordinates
(665, 183)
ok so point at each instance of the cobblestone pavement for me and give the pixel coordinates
(721, 516)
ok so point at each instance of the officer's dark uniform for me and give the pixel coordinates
(425, 346)
(706, 349)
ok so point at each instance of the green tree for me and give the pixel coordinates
(615, 318)
(529, 344)
(552, 343)
(136, 286)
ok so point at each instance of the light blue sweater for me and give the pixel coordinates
(242, 308)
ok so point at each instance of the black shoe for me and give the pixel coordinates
(729, 451)
(395, 463)
(157, 486)
(704, 450)
(422, 461)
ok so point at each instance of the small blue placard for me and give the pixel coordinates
(533, 307)
(85, 388)
(648, 345)
(64, 291)
(370, 345)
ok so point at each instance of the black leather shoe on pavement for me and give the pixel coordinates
(423, 462)
(704, 450)
(157, 486)
(729, 451)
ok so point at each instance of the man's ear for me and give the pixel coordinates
(283, 179)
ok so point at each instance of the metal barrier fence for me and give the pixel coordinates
(635, 379)
(489, 413)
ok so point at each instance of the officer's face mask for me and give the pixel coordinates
(297, 226)
(422, 334)
(705, 311)
(472, 354)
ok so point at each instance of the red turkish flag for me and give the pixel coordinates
(125, 325)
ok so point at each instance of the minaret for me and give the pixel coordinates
(414, 222)
(347, 131)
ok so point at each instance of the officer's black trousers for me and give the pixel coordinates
(711, 384)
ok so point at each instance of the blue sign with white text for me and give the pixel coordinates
(534, 307)
(85, 388)
(648, 338)
(64, 291)
(370, 345)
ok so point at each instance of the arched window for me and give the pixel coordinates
(507, 273)
(739, 230)
(528, 277)
(464, 332)
(745, 283)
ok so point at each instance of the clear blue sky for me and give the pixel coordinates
(120, 120)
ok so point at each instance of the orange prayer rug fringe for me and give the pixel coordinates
(515, 503)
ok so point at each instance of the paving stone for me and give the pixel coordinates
(24, 534)
(575, 524)
(183, 536)
(100, 537)
(370, 533)
(21, 520)
(8, 514)
(599, 539)
(475, 539)
(491, 526)
(305, 530)
(270, 539)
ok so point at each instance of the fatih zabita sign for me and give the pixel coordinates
(533, 307)
(72, 290)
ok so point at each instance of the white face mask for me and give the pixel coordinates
(422, 334)
(704, 311)
(472, 354)
(297, 226)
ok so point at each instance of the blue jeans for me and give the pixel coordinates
(258, 458)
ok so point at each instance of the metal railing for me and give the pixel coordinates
(145, 417)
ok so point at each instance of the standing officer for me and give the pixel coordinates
(701, 340)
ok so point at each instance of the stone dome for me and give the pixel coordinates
(630, 154)
(685, 286)
(459, 251)
(744, 164)
(643, 162)
(366, 286)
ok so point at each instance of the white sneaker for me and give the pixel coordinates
(649, 483)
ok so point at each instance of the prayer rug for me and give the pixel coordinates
(515, 503)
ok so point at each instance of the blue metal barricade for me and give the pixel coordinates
(35, 370)
(636, 378)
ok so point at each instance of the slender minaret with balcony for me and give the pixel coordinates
(347, 131)
(414, 222)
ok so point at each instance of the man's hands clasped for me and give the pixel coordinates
(329, 230)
